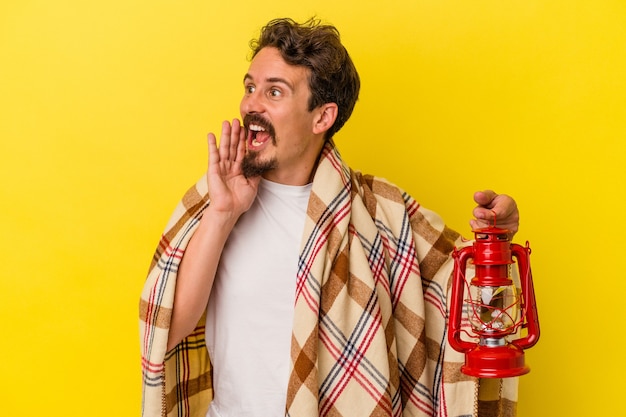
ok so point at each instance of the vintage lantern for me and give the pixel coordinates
(495, 310)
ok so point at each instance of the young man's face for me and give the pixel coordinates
(283, 140)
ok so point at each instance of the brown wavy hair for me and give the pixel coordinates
(316, 46)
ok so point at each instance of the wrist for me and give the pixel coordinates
(219, 219)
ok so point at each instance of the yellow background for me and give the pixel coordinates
(105, 106)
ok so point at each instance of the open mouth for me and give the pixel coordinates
(257, 135)
(259, 132)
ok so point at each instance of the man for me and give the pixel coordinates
(318, 290)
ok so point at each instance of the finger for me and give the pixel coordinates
(478, 224)
(224, 147)
(235, 138)
(214, 156)
(241, 147)
(486, 201)
(499, 214)
(483, 213)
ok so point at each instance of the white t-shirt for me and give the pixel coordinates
(250, 310)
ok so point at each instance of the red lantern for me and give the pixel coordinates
(496, 311)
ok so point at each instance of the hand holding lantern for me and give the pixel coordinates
(496, 311)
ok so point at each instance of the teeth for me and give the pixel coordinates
(257, 128)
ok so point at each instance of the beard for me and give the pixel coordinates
(252, 167)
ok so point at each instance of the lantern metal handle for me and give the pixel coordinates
(456, 310)
(529, 304)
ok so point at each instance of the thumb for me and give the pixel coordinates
(485, 198)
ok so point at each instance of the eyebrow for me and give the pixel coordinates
(271, 80)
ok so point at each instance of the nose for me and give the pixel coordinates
(251, 103)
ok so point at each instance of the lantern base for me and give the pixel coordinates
(495, 362)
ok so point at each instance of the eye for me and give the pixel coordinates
(275, 92)
(249, 88)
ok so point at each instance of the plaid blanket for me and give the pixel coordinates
(369, 335)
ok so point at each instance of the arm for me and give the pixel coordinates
(231, 194)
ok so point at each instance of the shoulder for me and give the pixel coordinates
(371, 186)
(380, 191)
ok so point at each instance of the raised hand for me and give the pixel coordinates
(499, 207)
(230, 191)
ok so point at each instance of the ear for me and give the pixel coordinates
(326, 114)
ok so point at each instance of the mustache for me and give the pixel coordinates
(257, 119)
